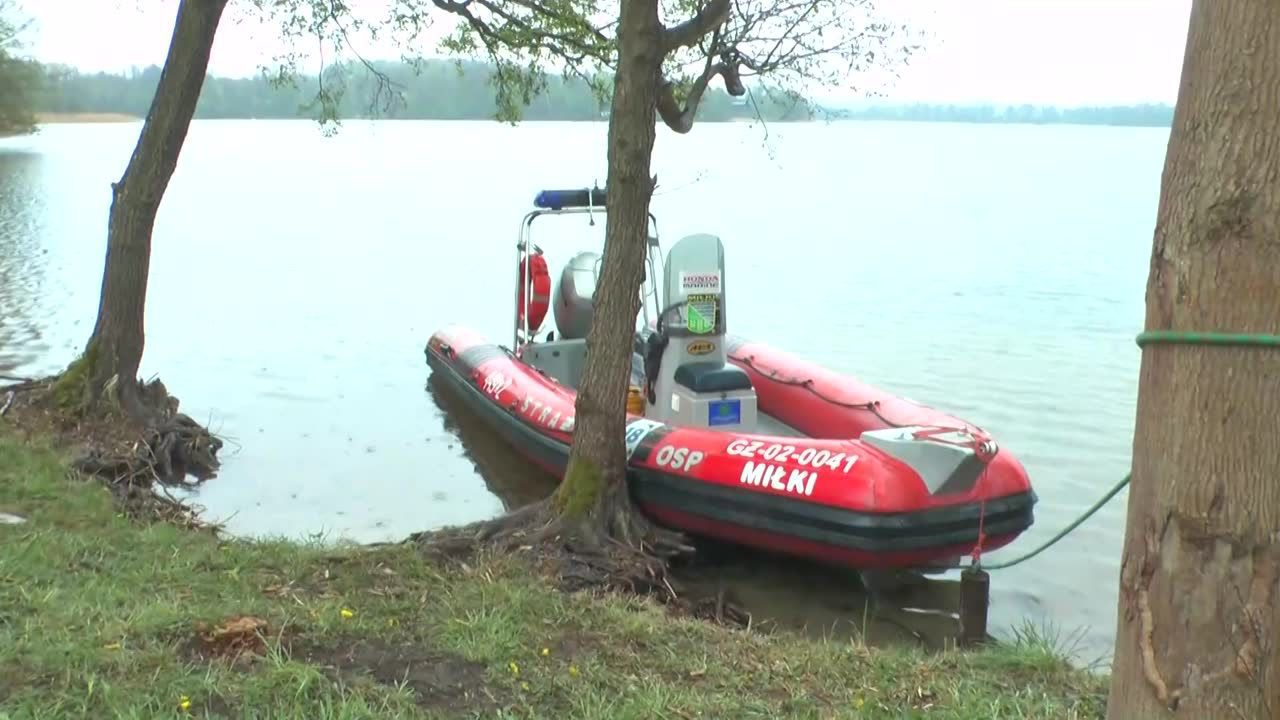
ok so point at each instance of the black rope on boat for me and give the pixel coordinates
(871, 406)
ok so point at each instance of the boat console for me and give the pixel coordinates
(687, 379)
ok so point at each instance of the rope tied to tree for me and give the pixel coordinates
(1150, 337)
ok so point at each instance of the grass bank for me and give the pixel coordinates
(104, 615)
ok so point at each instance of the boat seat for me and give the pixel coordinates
(709, 377)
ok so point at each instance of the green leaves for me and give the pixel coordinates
(526, 40)
(780, 49)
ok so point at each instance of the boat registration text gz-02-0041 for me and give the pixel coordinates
(779, 452)
(752, 462)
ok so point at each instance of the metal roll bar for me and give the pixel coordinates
(521, 323)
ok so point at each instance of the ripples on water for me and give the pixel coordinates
(996, 272)
(23, 260)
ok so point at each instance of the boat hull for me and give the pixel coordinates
(834, 500)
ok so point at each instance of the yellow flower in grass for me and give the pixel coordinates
(515, 669)
(546, 652)
(184, 703)
(347, 614)
(573, 671)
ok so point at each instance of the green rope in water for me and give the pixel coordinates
(1169, 337)
(1063, 533)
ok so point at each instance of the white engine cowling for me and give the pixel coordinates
(572, 303)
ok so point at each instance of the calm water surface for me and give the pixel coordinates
(994, 271)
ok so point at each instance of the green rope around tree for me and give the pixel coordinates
(1176, 337)
(1167, 337)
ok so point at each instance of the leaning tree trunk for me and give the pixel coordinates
(1198, 628)
(114, 351)
(594, 482)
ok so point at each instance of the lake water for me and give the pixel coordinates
(994, 271)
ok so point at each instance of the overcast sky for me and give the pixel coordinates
(1064, 52)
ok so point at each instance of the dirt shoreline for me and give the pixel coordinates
(52, 118)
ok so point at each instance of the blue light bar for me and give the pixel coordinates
(561, 199)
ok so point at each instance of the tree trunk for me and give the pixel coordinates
(596, 471)
(114, 350)
(1198, 627)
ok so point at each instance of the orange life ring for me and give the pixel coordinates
(540, 299)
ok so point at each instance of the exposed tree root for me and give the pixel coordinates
(151, 442)
(142, 504)
(613, 548)
(172, 446)
(1146, 643)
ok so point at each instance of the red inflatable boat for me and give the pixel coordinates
(739, 441)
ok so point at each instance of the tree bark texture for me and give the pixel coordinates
(596, 460)
(1198, 625)
(114, 351)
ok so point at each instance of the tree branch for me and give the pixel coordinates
(9, 31)
(558, 43)
(543, 29)
(710, 17)
(680, 119)
(383, 84)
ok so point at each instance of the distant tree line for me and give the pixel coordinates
(445, 90)
(435, 90)
(1145, 115)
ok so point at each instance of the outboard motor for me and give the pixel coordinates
(687, 379)
(575, 294)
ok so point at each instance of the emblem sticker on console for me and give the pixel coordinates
(701, 314)
(700, 347)
(724, 412)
